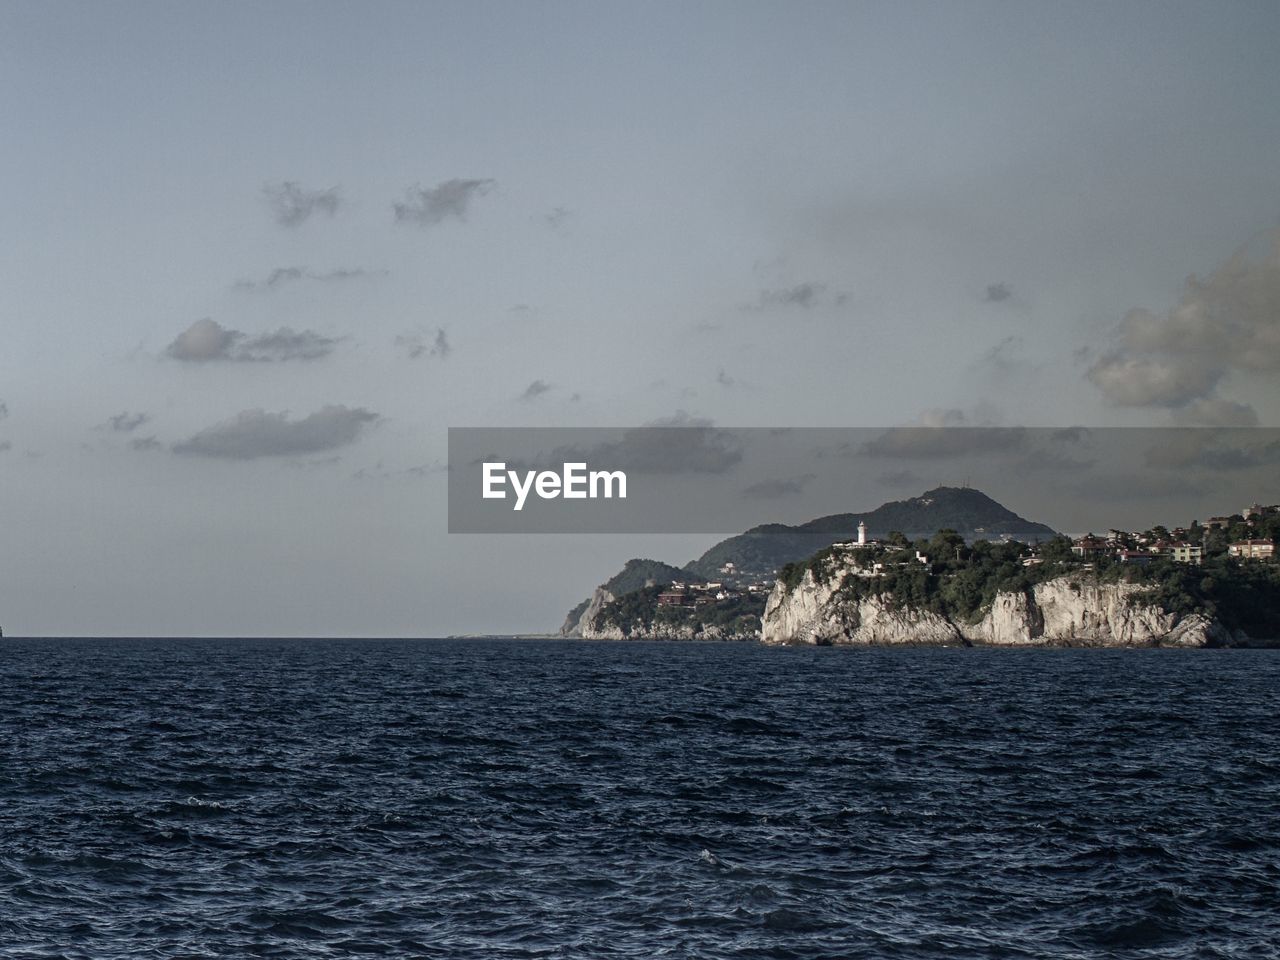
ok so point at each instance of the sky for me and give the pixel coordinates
(259, 257)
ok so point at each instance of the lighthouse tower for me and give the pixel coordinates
(862, 534)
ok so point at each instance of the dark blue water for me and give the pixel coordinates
(499, 799)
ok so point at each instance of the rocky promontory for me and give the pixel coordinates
(1071, 610)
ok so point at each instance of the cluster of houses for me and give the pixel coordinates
(681, 594)
(1121, 545)
(1129, 547)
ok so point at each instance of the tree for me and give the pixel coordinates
(1215, 541)
(1059, 548)
(946, 545)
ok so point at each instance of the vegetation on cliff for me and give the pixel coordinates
(761, 551)
(639, 612)
(1241, 595)
(961, 581)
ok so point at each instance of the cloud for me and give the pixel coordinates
(286, 344)
(207, 340)
(724, 379)
(450, 199)
(1225, 324)
(1041, 459)
(1219, 449)
(1075, 434)
(805, 295)
(4, 410)
(943, 442)
(146, 443)
(672, 445)
(808, 295)
(440, 346)
(1216, 413)
(997, 293)
(1168, 381)
(944, 434)
(281, 276)
(127, 422)
(1138, 487)
(778, 489)
(418, 471)
(346, 273)
(557, 217)
(292, 205)
(256, 433)
(535, 390)
(899, 478)
(6, 446)
(415, 344)
(1004, 357)
(204, 340)
(315, 463)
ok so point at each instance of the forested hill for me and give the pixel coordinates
(971, 513)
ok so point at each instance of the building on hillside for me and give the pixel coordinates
(861, 543)
(1186, 553)
(1252, 549)
(675, 598)
(1089, 546)
(1141, 557)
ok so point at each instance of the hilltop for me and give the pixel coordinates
(761, 551)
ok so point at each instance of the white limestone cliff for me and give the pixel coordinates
(1067, 611)
(581, 627)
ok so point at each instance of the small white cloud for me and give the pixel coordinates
(208, 341)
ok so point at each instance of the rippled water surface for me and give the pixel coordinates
(502, 799)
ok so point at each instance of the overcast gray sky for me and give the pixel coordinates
(257, 257)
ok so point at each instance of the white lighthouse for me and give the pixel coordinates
(862, 533)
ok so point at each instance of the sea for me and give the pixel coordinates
(497, 798)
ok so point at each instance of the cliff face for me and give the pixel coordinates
(1068, 611)
(664, 632)
(580, 625)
